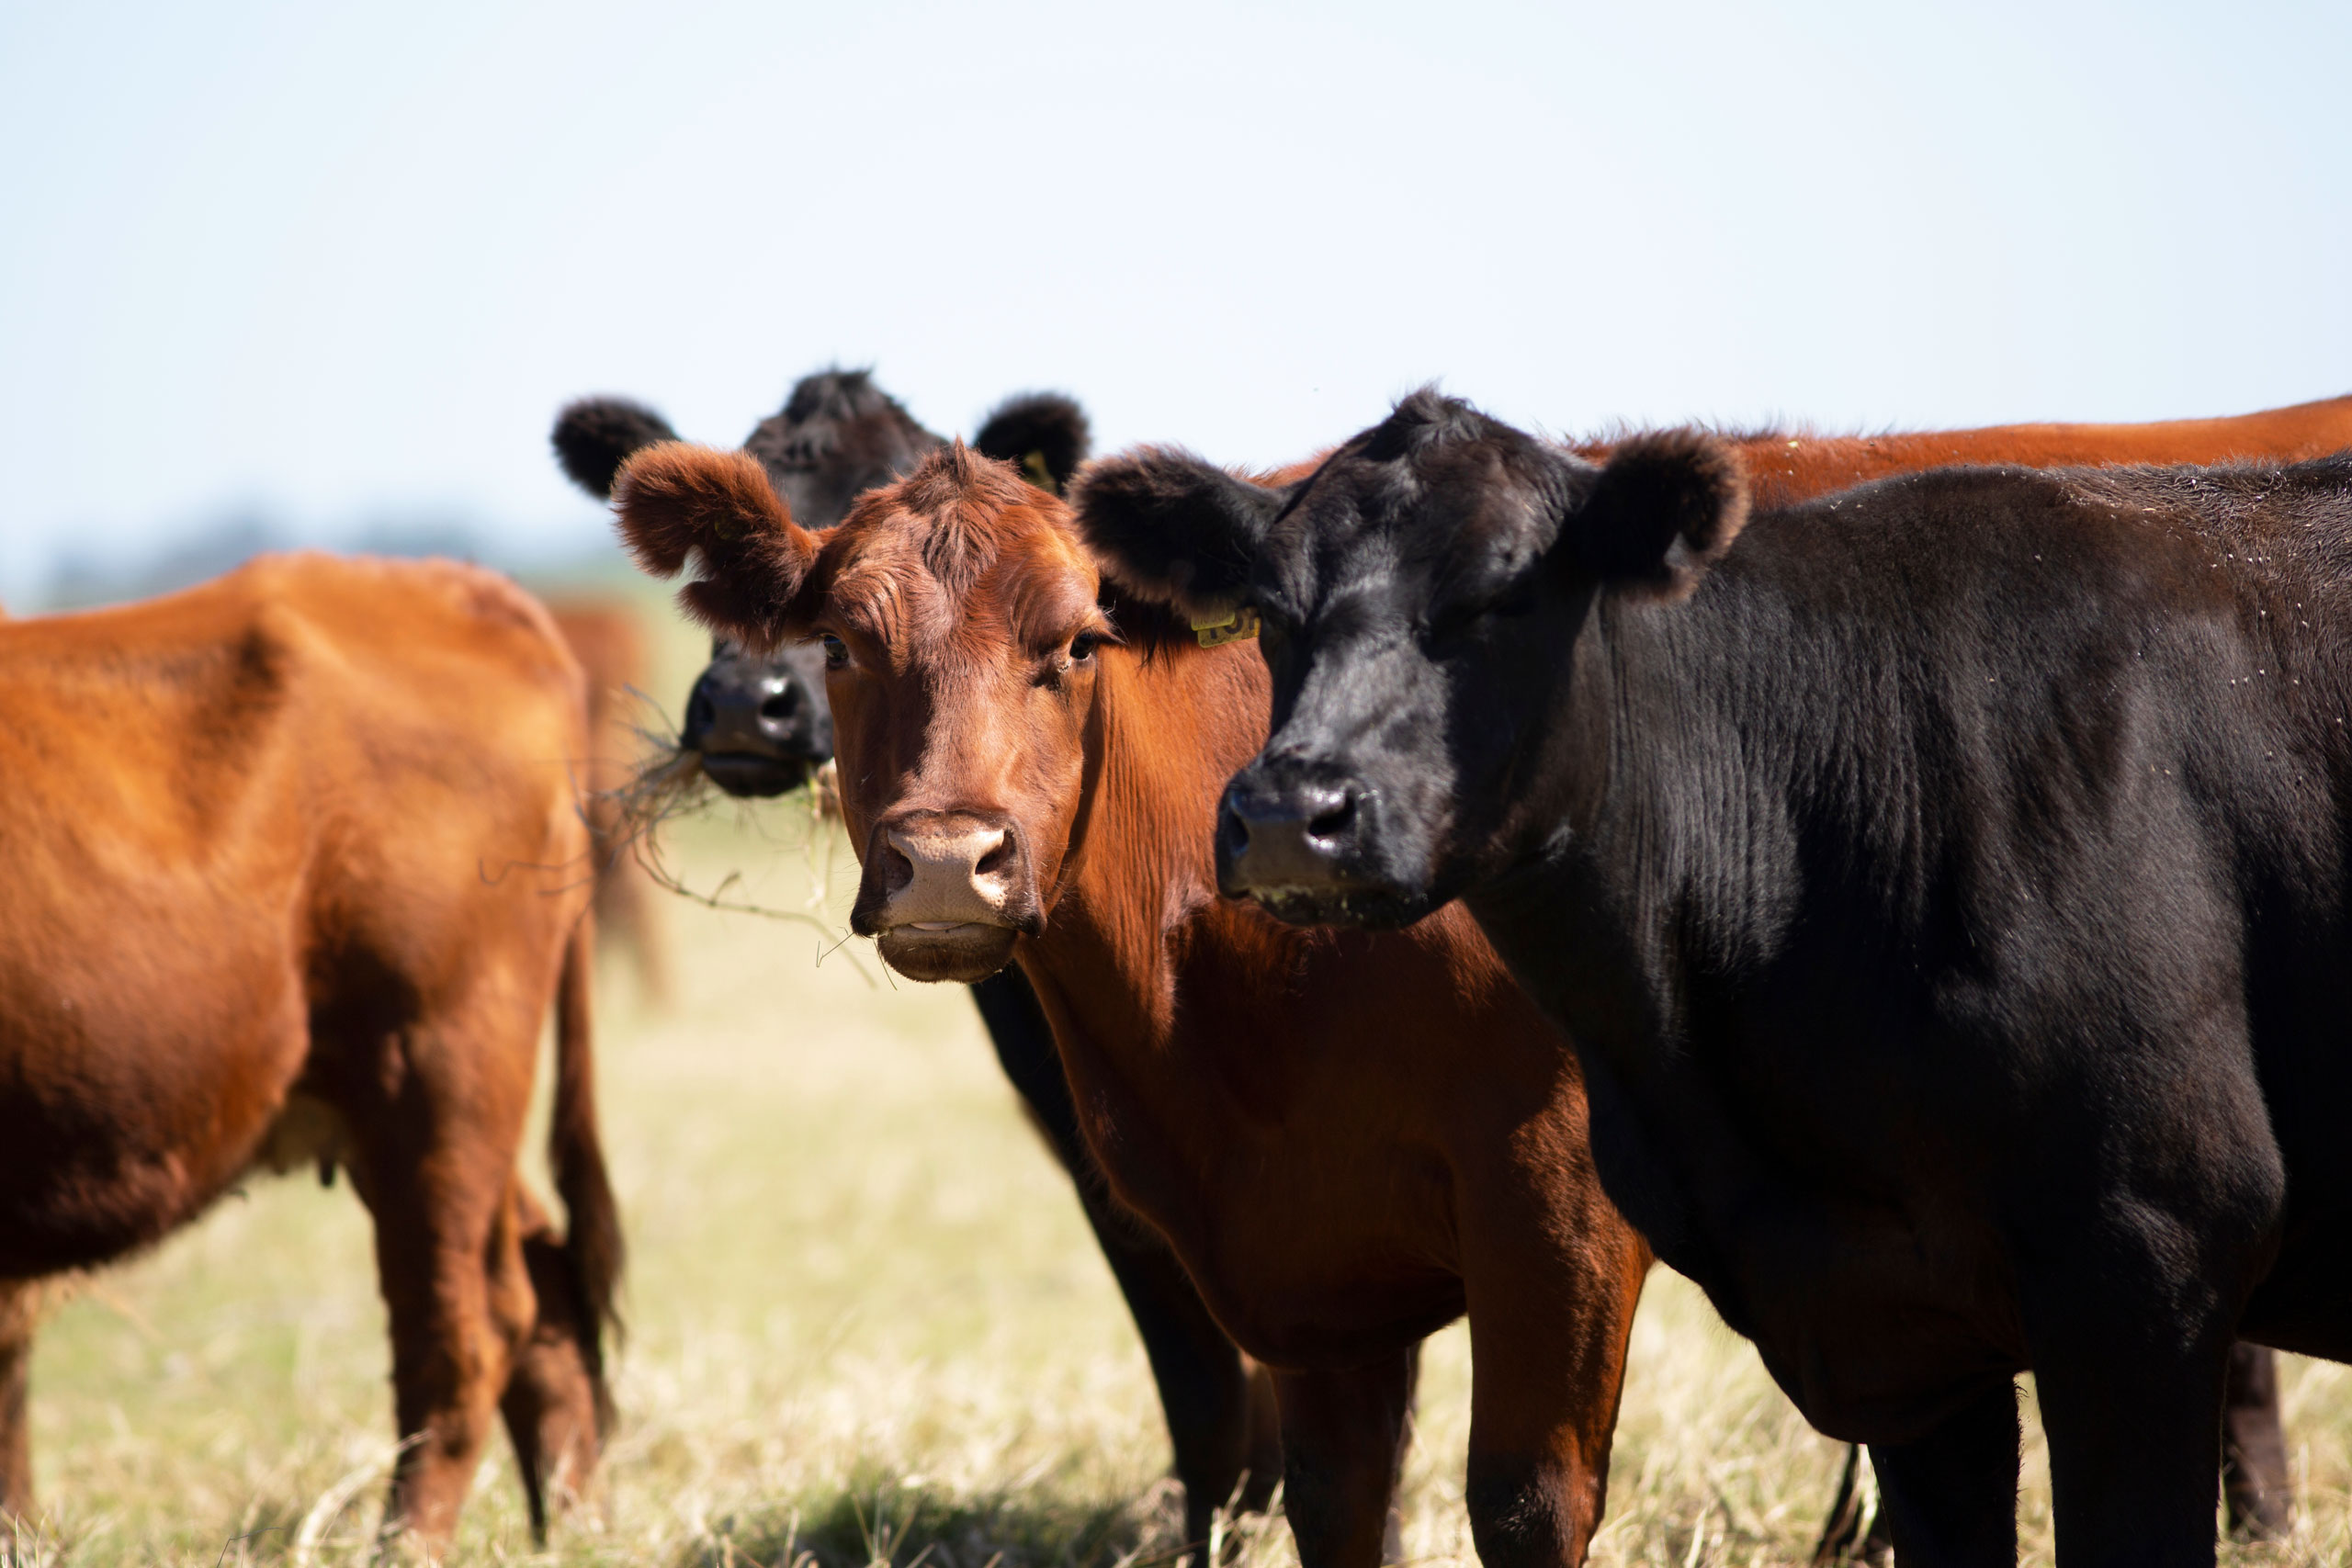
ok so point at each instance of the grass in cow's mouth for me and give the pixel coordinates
(868, 1326)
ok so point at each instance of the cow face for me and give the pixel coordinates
(759, 722)
(1422, 596)
(957, 618)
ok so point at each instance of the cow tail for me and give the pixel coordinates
(593, 1246)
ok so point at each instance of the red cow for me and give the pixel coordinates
(295, 867)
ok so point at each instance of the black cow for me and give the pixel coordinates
(1949, 891)
(760, 724)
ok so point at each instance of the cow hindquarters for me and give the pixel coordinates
(554, 1396)
(18, 1304)
(1344, 1436)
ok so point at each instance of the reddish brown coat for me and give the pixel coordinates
(296, 868)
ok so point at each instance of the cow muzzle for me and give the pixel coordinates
(1299, 843)
(945, 895)
(759, 726)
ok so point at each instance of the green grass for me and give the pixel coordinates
(867, 1324)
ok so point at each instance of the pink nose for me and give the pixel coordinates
(945, 876)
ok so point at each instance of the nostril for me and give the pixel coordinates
(898, 871)
(1337, 820)
(998, 858)
(700, 715)
(781, 705)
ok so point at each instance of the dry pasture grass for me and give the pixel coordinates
(868, 1327)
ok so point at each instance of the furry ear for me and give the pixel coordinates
(676, 501)
(1044, 434)
(1663, 508)
(1170, 527)
(594, 436)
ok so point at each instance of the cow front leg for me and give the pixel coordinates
(18, 1304)
(1220, 1407)
(2255, 1487)
(2135, 1440)
(1949, 1499)
(1344, 1435)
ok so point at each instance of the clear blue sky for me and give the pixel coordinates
(341, 261)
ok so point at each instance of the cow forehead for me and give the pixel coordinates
(1394, 544)
(927, 585)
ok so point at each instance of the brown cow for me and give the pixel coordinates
(296, 866)
(1020, 785)
(607, 636)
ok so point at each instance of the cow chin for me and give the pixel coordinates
(1372, 909)
(746, 775)
(969, 951)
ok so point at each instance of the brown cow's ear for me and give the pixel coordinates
(1663, 508)
(1172, 528)
(677, 501)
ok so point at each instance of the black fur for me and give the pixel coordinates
(594, 436)
(837, 436)
(1044, 434)
(1174, 528)
(1946, 886)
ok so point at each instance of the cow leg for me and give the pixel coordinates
(2135, 1442)
(17, 1313)
(1220, 1407)
(1548, 1327)
(554, 1404)
(436, 1167)
(1950, 1498)
(2255, 1487)
(1344, 1435)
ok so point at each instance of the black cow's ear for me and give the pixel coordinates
(594, 436)
(1663, 508)
(677, 502)
(1172, 528)
(1044, 434)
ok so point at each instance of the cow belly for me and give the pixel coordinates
(123, 1112)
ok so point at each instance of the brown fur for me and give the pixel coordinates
(694, 500)
(295, 867)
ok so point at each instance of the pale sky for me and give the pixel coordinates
(336, 262)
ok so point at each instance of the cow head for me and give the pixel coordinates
(758, 721)
(955, 612)
(1420, 594)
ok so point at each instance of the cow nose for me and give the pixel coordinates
(943, 876)
(1300, 835)
(763, 715)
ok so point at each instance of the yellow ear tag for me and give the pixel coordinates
(1236, 625)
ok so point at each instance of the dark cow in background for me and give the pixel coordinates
(1947, 884)
(759, 722)
(295, 869)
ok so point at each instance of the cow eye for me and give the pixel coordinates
(836, 651)
(1082, 646)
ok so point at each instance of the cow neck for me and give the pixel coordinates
(1138, 900)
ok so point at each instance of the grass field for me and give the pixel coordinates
(867, 1324)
